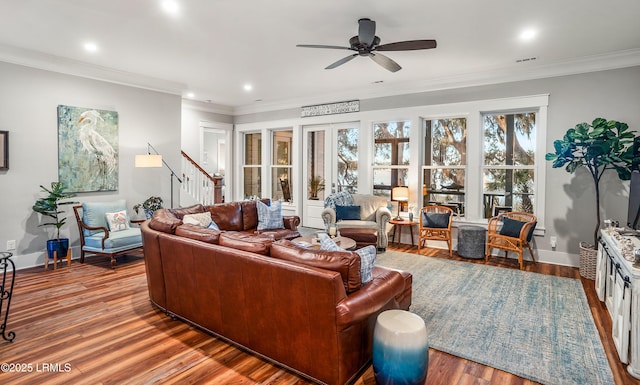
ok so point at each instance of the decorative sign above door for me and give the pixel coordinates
(330, 108)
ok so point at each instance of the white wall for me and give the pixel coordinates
(28, 110)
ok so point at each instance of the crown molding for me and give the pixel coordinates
(207, 107)
(520, 72)
(39, 60)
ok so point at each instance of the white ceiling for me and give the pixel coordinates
(213, 48)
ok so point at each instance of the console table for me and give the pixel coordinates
(618, 286)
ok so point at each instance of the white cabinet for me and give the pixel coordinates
(618, 286)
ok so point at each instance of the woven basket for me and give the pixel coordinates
(588, 260)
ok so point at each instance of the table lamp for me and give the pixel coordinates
(400, 194)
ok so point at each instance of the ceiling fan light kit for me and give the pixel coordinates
(366, 43)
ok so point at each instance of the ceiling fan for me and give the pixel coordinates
(366, 44)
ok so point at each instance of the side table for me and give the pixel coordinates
(398, 224)
(472, 241)
(400, 353)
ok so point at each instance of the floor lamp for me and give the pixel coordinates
(151, 160)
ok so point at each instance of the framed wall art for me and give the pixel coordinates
(87, 149)
(4, 150)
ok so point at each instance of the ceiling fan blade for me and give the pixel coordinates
(385, 62)
(341, 61)
(408, 45)
(366, 31)
(321, 46)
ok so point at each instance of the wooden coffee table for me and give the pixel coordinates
(308, 241)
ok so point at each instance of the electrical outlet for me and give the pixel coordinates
(553, 241)
(11, 245)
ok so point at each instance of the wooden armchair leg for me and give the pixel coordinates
(533, 258)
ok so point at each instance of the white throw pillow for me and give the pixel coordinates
(117, 221)
(199, 219)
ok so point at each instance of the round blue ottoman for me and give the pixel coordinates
(400, 349)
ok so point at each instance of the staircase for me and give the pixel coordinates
(197, 185)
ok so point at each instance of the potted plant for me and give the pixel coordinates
(150, 205)
(600, 146)
(49, 206)
(316, 184)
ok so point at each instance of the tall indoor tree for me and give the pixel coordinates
(600, 146)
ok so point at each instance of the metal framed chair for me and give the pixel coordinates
(435, 225)
(511, 231)
(95, 235)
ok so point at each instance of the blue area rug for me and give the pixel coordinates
(533, 325)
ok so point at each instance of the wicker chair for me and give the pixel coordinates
(511, 231)
(435, 225)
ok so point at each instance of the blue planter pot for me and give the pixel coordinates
(60, 245)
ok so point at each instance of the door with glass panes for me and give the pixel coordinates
(330, 153)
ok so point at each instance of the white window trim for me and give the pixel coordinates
(473, 111)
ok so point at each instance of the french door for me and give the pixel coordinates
(330, 153)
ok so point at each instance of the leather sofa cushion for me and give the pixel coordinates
(259, 244)
(278, 234)
(250, 213)
(228, 216)
(346, 263)
(164, 221)
(181, 212)
(198, 233)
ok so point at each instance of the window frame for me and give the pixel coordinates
(270, 167)
(395, 143)
(512, 167)
(246, 166)
(425, 130)
(474, 111)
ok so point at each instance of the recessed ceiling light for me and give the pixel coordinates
(170, 6)
(248, 87)
(528, 34)
(90, 47)
(190, 95)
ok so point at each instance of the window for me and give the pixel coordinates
(252, 168)
(281, 166)
(347, 167)
(391, 156)
(445, 161)
(509, 149)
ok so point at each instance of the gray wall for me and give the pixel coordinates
(28, 110)
(570, 199)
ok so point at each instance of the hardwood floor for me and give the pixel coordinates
(94, 325)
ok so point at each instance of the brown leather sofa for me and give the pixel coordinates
(239, 217)
(303, 309)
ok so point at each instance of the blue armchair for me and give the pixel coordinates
(105, 229)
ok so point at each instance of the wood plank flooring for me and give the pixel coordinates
(94, 325)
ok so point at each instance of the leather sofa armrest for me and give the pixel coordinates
(370, 299)
(328, 216)
(291, 222)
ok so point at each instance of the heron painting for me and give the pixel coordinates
(87, 149)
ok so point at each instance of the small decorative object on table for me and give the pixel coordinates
(150, 205)
(332, 230)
